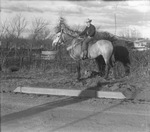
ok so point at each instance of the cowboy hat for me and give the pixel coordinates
(88, 20)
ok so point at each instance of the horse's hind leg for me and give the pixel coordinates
(100, 64)
(108, 65)
(113, 65)
(127, 69)
(78, 71)
(107, 69)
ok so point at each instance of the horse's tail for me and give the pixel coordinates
(112, 59)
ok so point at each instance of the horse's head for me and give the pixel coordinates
(58, 39)
(62, 38)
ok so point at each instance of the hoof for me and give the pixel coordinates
(127, 74)
(105, 77)
(113, 79)
(78, 80)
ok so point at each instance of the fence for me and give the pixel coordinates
(37, 58)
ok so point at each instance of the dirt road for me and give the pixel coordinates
(30, 113)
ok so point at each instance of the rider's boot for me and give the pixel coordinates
(85, 55)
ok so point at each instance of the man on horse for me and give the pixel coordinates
(88, 33)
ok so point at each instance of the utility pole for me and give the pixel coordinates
(115, 23)
(115, 17)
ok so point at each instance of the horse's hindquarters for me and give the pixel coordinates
(101, 47)
(104, 48)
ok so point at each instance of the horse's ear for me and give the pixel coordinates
(62, 26)
(62, 30)
(58, 31)
(62, 43)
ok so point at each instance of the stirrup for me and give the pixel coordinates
(84, 57)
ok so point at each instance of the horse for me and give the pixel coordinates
(98, 48)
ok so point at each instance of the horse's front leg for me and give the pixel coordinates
(115, 71)
(113, 65)
(78, 71)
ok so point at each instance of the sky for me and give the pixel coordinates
(129, 14)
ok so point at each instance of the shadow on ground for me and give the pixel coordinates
(84, 95)
(87, 117)
(40, 108)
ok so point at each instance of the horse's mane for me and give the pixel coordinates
(109, 36)
(69, 31)
(66, 28)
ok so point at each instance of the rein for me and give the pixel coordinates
(62, 31)
(72, 36)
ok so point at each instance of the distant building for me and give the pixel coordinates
(140, 45)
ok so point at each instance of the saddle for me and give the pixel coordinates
(80, 41)
(93, 41)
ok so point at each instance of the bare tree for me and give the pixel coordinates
(135, 33)
(16, 26)
(11, 32)
(19, 24)
(40, 30)
(124, 33)
(4, 36)
(13, 29)
(130, 33)
(77, 28)
(6, 32)
(3, 27)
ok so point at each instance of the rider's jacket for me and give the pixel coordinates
(88, 31)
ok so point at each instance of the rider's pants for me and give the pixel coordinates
(85, 43)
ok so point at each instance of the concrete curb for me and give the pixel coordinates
(69, 92)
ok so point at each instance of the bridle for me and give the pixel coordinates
(60, 38)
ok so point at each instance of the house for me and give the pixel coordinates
(140, 45)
